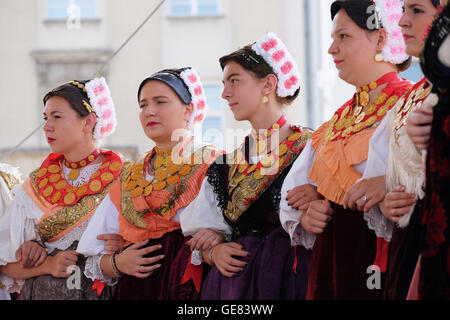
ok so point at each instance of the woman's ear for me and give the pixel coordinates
(189, 111)
(90, 122)
(382, 39)
(270, 84)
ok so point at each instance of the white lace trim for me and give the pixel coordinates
(66, 240)
(85, 173)
(299, 236)
(93, 271)
(377, 222)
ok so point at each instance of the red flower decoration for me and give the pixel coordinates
(272, 43)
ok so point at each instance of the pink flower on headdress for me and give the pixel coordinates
(201, 104)
(199, 118)
(394, 18)
(397, 50)
(292, 81)
(99, 89)
(198, 91)
(107, 128)
(192, 78)
(103, 101)
(287, 67)
(107, 114)
(277, 56)
(272, 43)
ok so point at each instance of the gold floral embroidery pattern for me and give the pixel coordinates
(10, 180)
(245, 189)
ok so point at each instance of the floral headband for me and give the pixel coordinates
(389, 13)
(192, 80)
(275, 53)
(101, 103)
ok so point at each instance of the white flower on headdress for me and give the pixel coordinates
(102, 104)
(275, 53)
(390, 13)
(192, 81)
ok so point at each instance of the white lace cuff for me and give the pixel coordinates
(196, 258)
(299, 236)
(93, 271)
(11, 285)
(377, 222)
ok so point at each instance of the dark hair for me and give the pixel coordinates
(358, 11)
(73, 94)
(251, 61)
(172, 78)
(436, 3)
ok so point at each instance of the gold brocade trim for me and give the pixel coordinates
(243, 190)
(10, 180)
(2, 286)
(135, 217)
(68, 216)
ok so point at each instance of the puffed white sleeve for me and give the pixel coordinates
(290, 217)
(17, 225)
(105, 220)
(376, 165)
(204, 212)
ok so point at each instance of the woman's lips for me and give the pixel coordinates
(407, 37)
(50, 140)
(152, 123)
(231, 105)
(338, 62)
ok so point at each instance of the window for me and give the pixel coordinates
(212, 126)
(194, 7)
(63, 9)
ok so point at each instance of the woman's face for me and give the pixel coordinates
(162, 112)
(242, 90)
(64, 128)
(417, 18)
(353, 49)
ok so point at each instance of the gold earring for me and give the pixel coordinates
(264, 100)
(379, 57)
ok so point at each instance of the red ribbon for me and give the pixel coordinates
(382, 254)
(294, 267)
(98, 286)
(193, 272)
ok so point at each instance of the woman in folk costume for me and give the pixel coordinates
(145, 206)
(395, 157)
(240, 197)
(432, 275)
(368, 51)
(55, 204)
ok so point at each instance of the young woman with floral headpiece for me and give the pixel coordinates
(55, 203)
(403, 168)
(241, 194)
(368, 51)
(144, 207)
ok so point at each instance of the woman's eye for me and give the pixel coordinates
(45, 118)
(343, 36)
(417, 11)
(142, 106)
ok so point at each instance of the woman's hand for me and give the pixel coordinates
(224, 258)
(397, 203)
(113, 242)
(300, 197)
(205, 239)
(132, 262)
(31, 254)
(365, 194)
(418, 125)
(316, 218)
(59, 264)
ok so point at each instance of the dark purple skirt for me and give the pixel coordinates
(269, 274)
(164, 283)
(340, 258)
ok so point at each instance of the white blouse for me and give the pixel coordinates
(298, 175)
